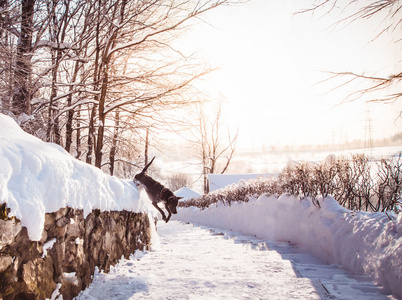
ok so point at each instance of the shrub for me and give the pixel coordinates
(356, 183)
(243, 191)
(177, 181)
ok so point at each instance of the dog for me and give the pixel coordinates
(157, 193)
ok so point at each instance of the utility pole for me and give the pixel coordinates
(368, 140)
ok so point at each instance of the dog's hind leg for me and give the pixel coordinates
(160, 210)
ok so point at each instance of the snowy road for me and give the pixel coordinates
(201, 263)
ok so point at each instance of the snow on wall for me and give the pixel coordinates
(38, 177)
(363, 243)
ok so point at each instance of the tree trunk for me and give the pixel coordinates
(113, 150)
(53, 123)
(91, 125)
(105, 69)
(91, 134)
(78, 134)
(102, 119)
(70, 115)
(8, 55)
(23, 68)
(146, 146)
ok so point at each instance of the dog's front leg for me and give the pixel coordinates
(169, 212)
(160, 210)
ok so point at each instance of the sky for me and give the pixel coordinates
(272, 70)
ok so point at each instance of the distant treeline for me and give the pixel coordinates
(394, 140)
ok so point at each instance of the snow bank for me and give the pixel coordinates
(186, 193)
(38, 177)
(361, 242)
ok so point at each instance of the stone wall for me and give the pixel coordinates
(68, 252)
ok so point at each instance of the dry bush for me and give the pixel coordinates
(388, 186)
(177, 181)
(243, 191)
(356, 183)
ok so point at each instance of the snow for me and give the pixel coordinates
(71, 277)
(47, 246)
(360, 242)
(50, 44)
(38, 178)
(204, 263)
(218, 181)
(56, 293)
(186, 193)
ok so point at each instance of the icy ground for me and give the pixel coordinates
(204, 263)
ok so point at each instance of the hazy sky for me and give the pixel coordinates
(272, 62)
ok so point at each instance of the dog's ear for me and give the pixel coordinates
(175, 197)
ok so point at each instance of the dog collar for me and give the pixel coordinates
(162, 192)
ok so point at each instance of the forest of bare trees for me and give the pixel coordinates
(94, 76)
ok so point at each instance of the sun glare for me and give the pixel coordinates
(271, 62)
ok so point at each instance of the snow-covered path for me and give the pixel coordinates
(201, 263)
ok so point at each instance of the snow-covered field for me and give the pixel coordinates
(169, 164)
(272, 162)
(360, 242)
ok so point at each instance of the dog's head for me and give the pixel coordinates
(172, 203)
(139, 178)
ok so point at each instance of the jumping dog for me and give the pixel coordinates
(157, 193)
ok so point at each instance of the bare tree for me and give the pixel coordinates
(139, 26)
(23, 68)
(6, 55)
(354, 10)
(214, 150)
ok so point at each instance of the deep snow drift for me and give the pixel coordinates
(38, 177)
(361, 242)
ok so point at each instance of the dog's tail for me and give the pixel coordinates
(146, 167)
